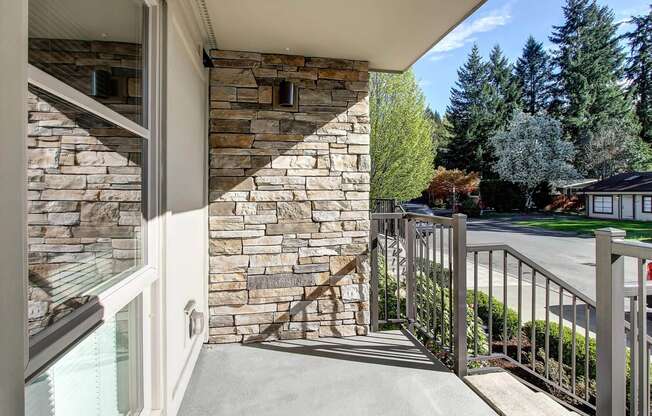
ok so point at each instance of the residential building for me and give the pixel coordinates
(625, 196)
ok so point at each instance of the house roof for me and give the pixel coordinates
(624, 182)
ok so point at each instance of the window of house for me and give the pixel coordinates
(88, 153)
(603, 204)
(647, 204)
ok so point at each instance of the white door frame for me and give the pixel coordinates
(13, 180)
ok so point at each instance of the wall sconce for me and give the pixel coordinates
(101, 84)
(286, 93)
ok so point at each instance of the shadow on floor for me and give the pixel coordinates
(395, 348)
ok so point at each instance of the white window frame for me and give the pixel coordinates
(144, 281)
(649, 199)
(602, 210)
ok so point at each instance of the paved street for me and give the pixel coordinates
(567, 255)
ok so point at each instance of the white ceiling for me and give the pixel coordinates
(390, 34)
(108, 20)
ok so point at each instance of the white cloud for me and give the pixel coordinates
(467, 31)
(425, 83)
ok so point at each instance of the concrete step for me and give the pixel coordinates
(512, 398)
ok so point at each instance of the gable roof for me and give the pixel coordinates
(624, 182)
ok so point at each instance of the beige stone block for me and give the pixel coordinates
(65, 181)
(265, 72)
(352, 195)
(224, 339)
(325, 195)
(242, 310)
(223, 93)
(261, 249)
(43, 158)
(255, 318)
(292, 211)
(237, 234)
(289, 60)
(231, 246)
(344, 163)
(229, 223)
(100, 212)
(230, 140)
(342, 265)
(292, 228)
(233, 77)
(279, 292)
(247, 329)
(337, 331)
(238, 297)
(247, 95)
(294, 162)
(267, 260)
(233, 114)
(328, 182)
(331, 205)
(355, 293)
(321, 292)
(220, 321)
(228, 264)
(265, 94)
(214, 287)
(221, 208)
(263, 241)
(322, 216)
(339, 74)
(271, 196)
(231, 184)
(317, 252)
(355, 215)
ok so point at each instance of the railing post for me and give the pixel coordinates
(610, 334)
(373, 251)
(459, 294)
(410, 304)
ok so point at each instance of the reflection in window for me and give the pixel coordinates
(603, 204)
(100, 376)
(94, 46)
(84, 206)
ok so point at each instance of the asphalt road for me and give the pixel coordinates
(567, 255)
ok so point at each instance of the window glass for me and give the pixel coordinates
(603, 204)
(647, 204)
(84, 206)
(100, 376)
(95, 46)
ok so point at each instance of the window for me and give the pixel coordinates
(647, 204)
(90, 193)
(99, 376)
(94, 46)
(603, 204)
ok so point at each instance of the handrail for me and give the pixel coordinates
(630, 248)
(473, 248)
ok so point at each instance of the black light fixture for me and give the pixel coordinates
(286, 94)
(208, 62)
(101, 83)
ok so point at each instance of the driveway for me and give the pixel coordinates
(568, 255)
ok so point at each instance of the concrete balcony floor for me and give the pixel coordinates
(380, 374)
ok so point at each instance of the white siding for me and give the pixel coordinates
(627, 207)
(186, 239)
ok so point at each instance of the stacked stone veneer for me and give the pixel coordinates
(289, 198)
(73, 62)
(84, 206)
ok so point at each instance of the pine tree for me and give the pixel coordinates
(504, 88)
(470, 114)
(589, 63)
(533, 72)
(639, 71)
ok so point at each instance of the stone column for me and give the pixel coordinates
(289, 198)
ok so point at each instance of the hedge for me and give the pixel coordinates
(497, 321)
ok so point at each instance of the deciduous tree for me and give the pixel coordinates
(402, 150)
(532, 151)
(447, 182)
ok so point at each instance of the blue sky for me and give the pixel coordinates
(506, 22)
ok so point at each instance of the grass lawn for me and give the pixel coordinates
(636, 230)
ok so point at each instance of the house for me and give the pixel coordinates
(572, 187)
(626, 196)
(188, 172)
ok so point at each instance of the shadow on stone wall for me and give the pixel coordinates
(289, 198)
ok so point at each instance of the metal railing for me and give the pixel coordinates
(515, 314)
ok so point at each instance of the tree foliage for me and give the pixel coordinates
(471, 115)
(446, 182)
(639, 71)
(533, 72)
(402, 149)
(589, 61)
(532, 151)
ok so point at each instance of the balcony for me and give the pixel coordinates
(385, 373)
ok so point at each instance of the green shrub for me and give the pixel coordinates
(497, 322)
(501, 196)
(470, 207)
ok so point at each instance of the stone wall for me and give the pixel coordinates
(289, 198)
(84, 205)
(73, 61)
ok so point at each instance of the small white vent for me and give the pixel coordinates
(208, 25)
(631, 178)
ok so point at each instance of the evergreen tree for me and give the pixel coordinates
(639, 71)
(504, 88)
(589, 64)
(402, 151)
(440, 135)
(533, 72)
(471, 117)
